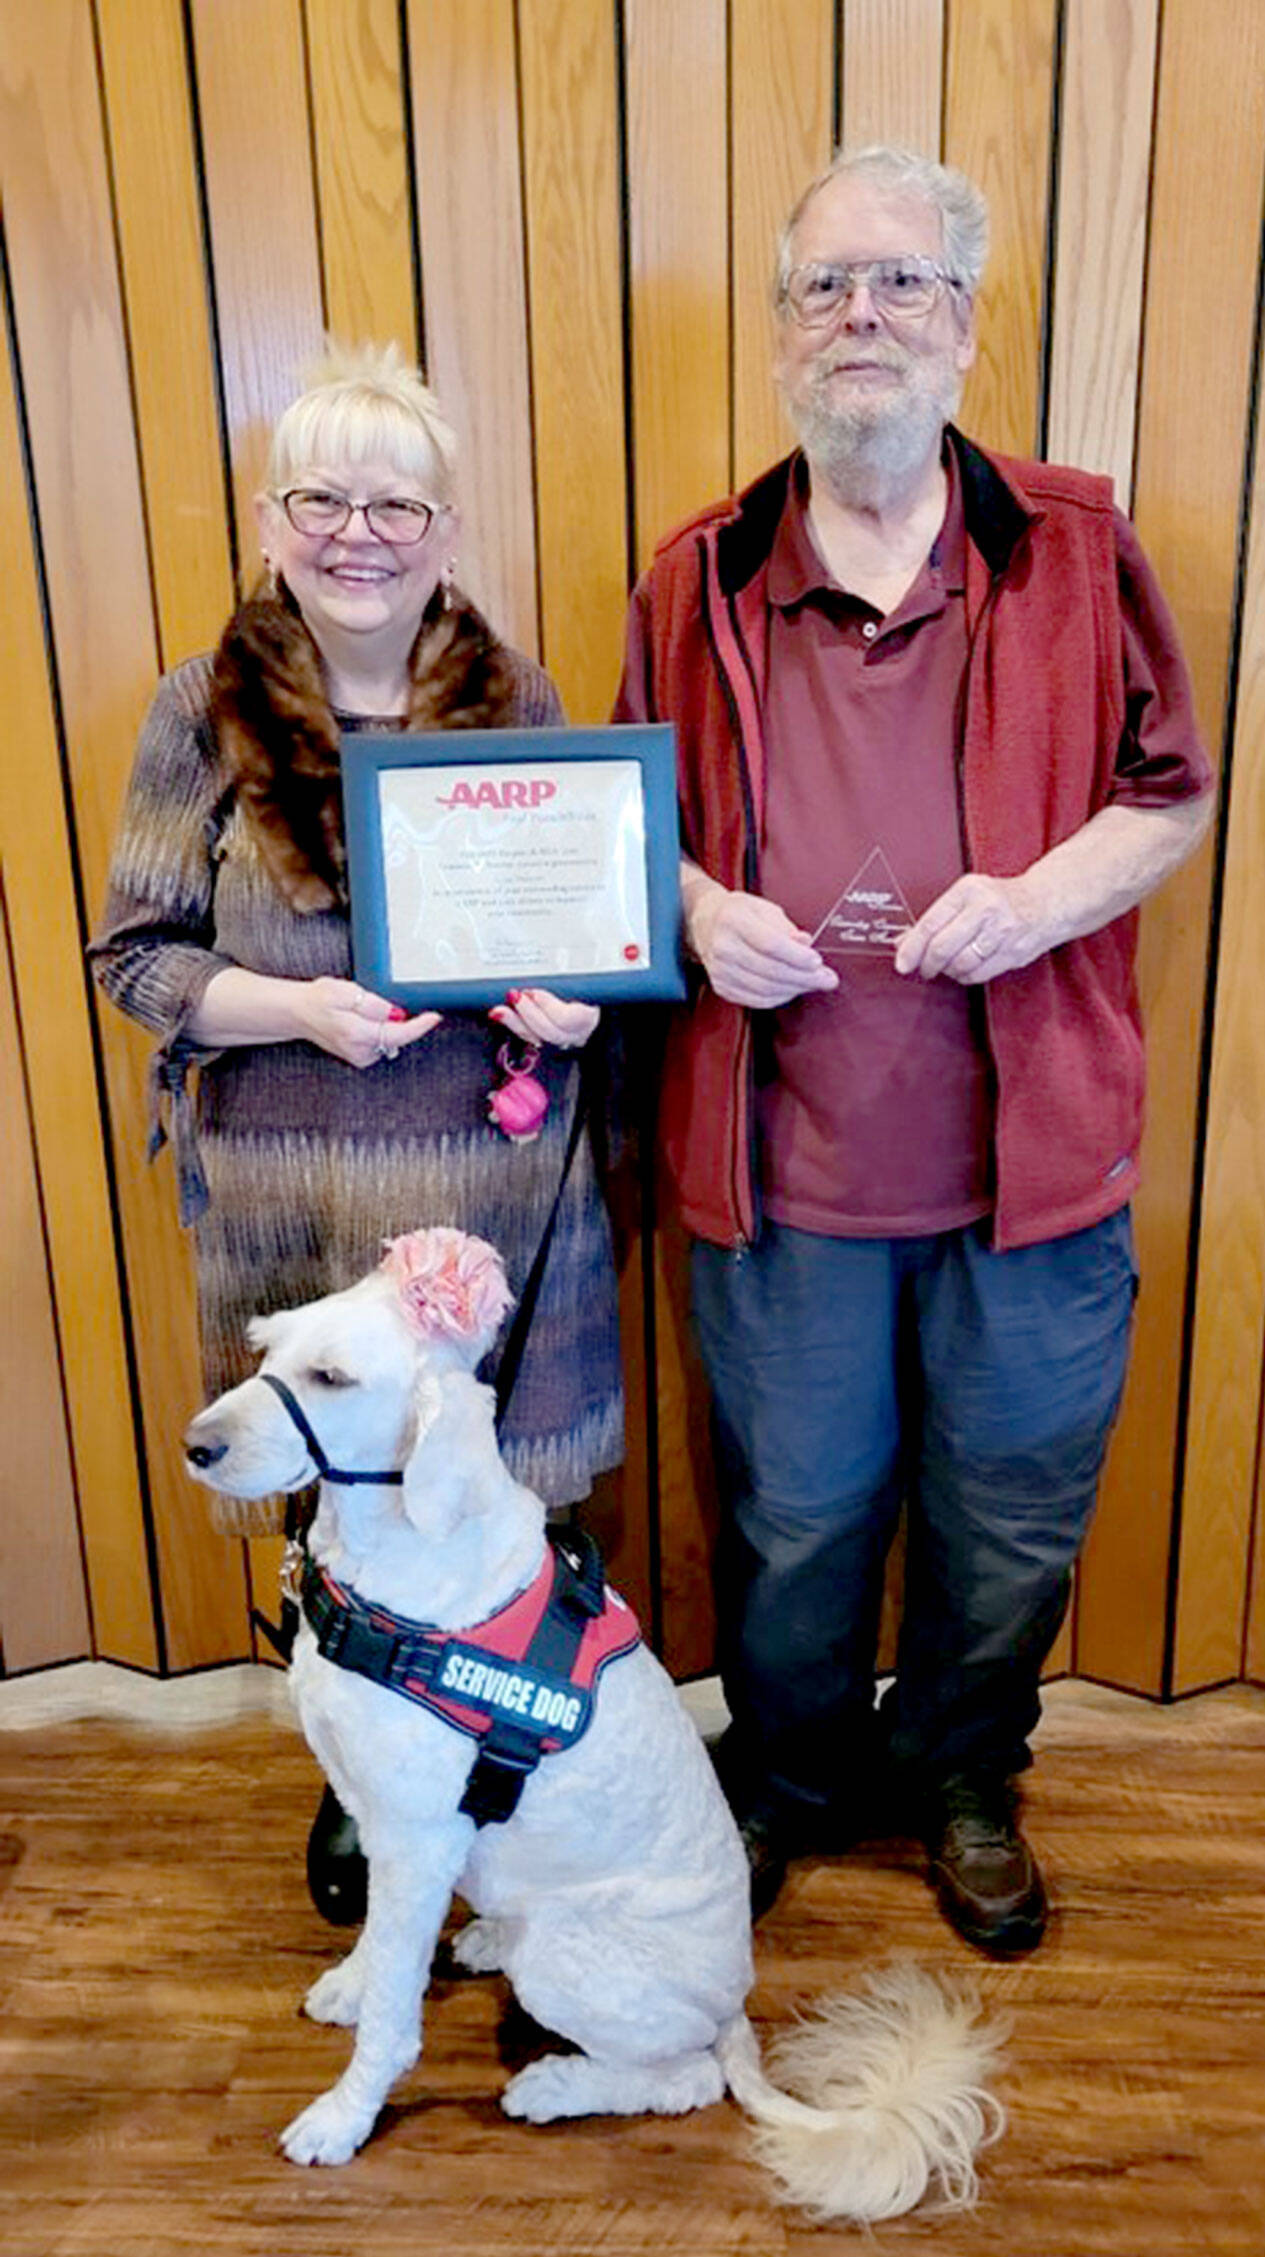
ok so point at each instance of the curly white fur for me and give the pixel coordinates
(616, 1897)
(885, 2098)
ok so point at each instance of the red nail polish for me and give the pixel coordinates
(512, 996)
(397, 1011)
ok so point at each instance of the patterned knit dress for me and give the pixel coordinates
(293, 1166)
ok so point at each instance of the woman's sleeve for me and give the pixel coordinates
(153, 952)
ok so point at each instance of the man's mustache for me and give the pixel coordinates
(840, 361)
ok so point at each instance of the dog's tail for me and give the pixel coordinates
(887, 2097)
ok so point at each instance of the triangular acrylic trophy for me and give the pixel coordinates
(870, 914)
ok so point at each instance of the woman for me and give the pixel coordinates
(324, 1120)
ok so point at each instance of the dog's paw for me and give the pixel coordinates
(572, 2084)
(479, 1947)
(556, 2085)
(329, 2131)
(335, 1996)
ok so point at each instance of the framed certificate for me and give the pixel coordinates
(484, 859)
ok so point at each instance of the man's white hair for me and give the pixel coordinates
(365, 404)
(963, 207)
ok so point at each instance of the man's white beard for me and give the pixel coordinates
(865, 450)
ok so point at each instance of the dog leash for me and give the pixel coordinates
(299, 1508)
(516, 1338)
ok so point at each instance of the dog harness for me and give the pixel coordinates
(522, 1682)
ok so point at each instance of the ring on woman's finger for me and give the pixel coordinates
(981, 947)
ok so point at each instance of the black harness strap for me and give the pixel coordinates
(508, 1753)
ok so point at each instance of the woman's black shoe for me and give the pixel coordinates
(337, 1874)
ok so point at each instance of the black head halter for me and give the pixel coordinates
(326, 1471)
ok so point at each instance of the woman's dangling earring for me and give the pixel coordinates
(446, 579)
(270, 577)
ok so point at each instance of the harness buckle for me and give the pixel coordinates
(292, 1561)
(356, 1645)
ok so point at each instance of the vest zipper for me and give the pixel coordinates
(968, 862)
(743, 1090)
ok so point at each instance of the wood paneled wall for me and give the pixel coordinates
(568, 208)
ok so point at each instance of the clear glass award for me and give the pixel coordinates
(870, 914)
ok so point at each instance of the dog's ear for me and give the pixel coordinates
(261, 1331)
(453, 1468)
(451, 1287)
(427, 1406)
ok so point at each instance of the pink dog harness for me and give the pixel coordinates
(522, 1682)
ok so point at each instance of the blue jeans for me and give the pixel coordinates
(850, 1376)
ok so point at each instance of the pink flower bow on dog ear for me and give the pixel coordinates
(451, 1286)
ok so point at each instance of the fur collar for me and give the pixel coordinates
(278, 738)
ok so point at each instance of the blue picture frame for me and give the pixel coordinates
(367, 755)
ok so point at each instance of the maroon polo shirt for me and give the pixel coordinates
(875, 1108)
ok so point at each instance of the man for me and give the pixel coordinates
(935, 744)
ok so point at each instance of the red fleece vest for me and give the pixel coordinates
(1040, 722)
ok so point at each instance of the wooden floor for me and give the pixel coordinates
(155, 1937)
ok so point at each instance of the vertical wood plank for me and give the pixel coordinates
(78, 393)
(782, 69)
(43, 1600)
(464, 78)
(362, 170)
(893, 73)
(37, 858)
(679, 259)
(677, 86)
(1254, 1641)
(572, 196)
(145, 82)
(261, 201)
(1201, 289)
(1225, 1376)
(1100, 232)
(997, 129)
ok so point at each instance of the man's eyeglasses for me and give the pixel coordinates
(900, 289)
(395, 518)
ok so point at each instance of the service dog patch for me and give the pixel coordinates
(521, 1695)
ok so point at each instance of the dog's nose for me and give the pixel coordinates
(204, 1454)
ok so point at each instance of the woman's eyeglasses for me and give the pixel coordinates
(394, 518)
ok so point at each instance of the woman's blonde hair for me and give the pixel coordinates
(365, 404)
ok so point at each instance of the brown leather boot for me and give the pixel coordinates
(986, 1878)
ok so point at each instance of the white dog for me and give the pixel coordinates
(615, 1897)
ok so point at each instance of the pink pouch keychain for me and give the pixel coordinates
(518, 1104)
